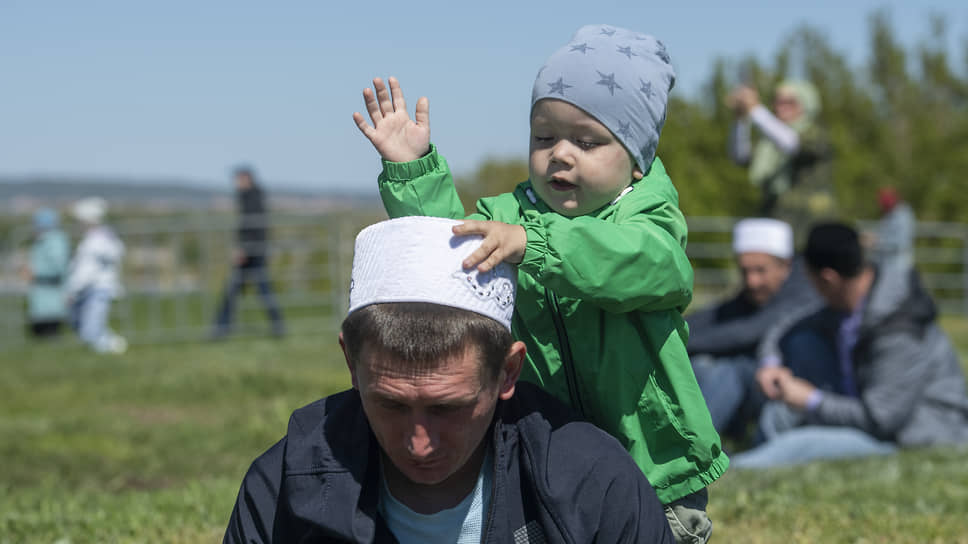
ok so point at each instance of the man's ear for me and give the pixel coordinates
(349, 363)
(513, 362)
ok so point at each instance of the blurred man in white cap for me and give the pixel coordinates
(437, 441)
(723, 338)
(94, 278)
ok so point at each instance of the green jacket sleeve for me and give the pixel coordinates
(636, 265)
(421, 187)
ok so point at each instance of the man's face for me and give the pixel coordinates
(786, 106)
(763, 275)
(831, 287)
(576, 164)
(243, 181)
(430, 423)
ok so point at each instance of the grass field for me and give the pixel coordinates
(151, 447)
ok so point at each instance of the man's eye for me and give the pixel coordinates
(393, 406)
(443, 409)
(543, 139)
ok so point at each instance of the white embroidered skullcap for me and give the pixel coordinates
(763, 235)
(90, 210)
(418, 259)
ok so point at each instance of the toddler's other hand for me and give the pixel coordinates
(394, 135)
(502, 242)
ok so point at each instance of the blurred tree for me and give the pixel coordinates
(493, 177)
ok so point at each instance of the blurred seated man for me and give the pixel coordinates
(869, 372)
(437, 441)
(723, 338)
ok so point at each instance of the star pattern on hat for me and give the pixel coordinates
(582, 47)
(608, 80)
(559, 86)
(627, 51)
(646, 88)
(625, 129)
(608, 32)
(662, 53)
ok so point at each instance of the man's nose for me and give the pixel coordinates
(422, 440)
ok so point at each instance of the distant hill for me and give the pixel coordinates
(22, 196)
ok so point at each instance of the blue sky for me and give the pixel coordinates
(183, 90)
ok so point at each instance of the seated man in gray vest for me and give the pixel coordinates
(437, 441)
(723, 339)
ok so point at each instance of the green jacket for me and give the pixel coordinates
(599, 306)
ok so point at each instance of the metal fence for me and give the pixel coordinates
(175, 271)
(176, 268)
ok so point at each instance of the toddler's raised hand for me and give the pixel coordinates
(502, 242)
(395, 137)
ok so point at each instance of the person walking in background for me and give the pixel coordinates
(50, 254)
(791, 163)
(94, 278)
(250, 257)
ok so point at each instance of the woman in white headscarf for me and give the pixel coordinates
(790, 163)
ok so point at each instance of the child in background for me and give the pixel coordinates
(94, 278)
(599, 242)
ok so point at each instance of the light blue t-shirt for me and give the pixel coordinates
(462, 524)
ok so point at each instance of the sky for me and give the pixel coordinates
(184, 90)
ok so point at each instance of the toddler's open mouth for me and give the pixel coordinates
(561, 185)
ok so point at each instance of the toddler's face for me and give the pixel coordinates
(577, 165)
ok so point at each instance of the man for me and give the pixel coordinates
(437, 442)
(882, 373)
(723, 339)
(250, 258)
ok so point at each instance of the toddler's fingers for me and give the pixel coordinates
(383, 97)
(396, 94)
(472, 260)
(493, 260)
(372, 106)
(422, 115)
(469, 226)
(361, 124)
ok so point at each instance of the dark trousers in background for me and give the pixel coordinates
(252, 272)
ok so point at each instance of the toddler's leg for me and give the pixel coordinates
(688, 519)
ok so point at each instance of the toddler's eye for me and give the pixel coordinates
(585, 144)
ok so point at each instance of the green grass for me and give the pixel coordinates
(151, 447)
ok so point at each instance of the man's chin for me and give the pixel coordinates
(427, 475)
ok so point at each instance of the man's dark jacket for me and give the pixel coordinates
(555, 480)
(253, 224)
(736, 326)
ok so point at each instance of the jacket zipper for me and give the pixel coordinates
(567, 361)
(490, 504)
